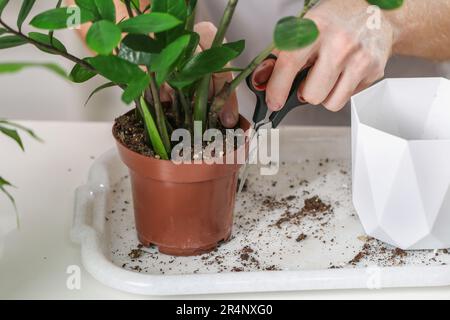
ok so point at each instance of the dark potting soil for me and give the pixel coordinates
(312, 207)
(130, 131)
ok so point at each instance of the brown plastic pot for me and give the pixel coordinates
(185, 209)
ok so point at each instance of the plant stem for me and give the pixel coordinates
(160, 117)
(187, 110)
(190, 22)
(228, 88)
(225, 23)
(201, 100)
(50, 34)
(50, 48)
(308, 6)
(201, 97)
(251, 67)
(129, 10)
(176, 110)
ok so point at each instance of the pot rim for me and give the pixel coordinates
(167, 170)
(242, 120)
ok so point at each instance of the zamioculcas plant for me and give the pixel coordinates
(154, 46)
(159, 47)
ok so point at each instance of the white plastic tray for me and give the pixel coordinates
(315, 161)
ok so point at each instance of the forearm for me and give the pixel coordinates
(422, 29)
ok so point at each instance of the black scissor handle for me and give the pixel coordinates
(261, 105)
(292, 102)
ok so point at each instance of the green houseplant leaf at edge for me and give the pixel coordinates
(387, 4)
(293, 33)
(7, 42)
(103, 36)
(59, 18)
(152, 130)
(45, 39)
(19, 66)
(25, 10)
(149, 22)
(79, 74)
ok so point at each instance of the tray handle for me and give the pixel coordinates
(82, 211)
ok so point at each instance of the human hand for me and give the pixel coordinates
(347, 58)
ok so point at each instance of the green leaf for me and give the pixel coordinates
(149, 22)
(176, 8)
(16, 67)
(7, 42)
(3, 4)
(237, 46)
(153, 132)
(89, 5)
(192, 5)
(135, 4)
(293, 33)
(116, 69)
(103, 36)
(13, 134)
(206, 62)
(4, 183)
(143, 43)
(387, 4)
(20, 127)
(106, 9)
(135, 89)
(139, 49)
(45, 39)
(62, 18)
(3, 31)
(79, 74)
(166, 61)
(102, 87)
(27, 5)
(191, 48)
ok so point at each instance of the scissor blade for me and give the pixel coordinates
(252, 149)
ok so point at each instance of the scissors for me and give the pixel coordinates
(261, 119)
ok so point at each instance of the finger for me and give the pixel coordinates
(360, 73)
(166, 93)
(207, 32)
(262, 73)
(286, 69)
(362, 86)
(321, 80)
(343, 91)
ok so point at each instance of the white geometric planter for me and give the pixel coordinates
(401, 162)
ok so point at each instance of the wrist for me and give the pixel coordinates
(399, 25)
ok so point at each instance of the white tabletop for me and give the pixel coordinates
(34, 259)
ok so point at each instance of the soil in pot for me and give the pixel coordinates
(184, 209)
